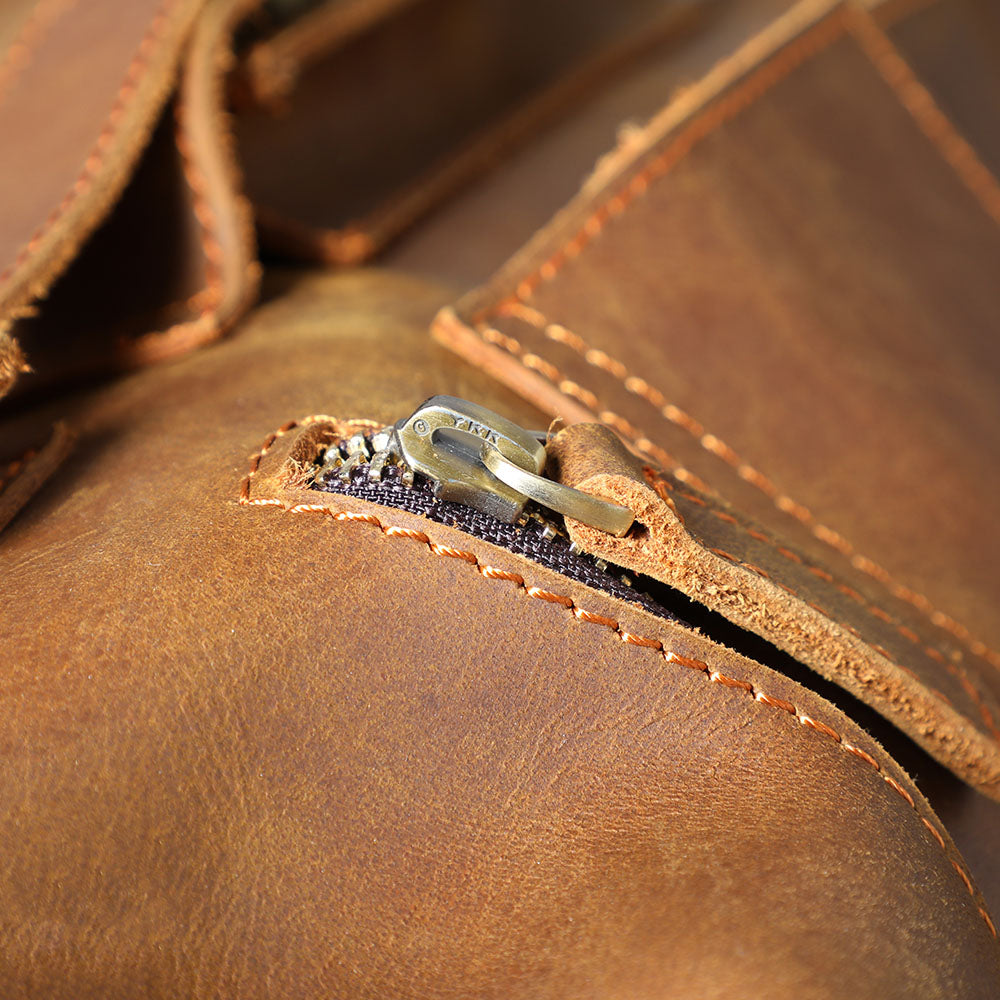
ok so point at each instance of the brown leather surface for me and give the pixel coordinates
(82, 91)
(354, 143)
(501, 211)
(174, 264)
(305, 760)
(709, 552)
(786, 294)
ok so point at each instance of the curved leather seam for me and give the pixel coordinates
(95, 160)
(738, 99)
(551, 374)
(489, 572)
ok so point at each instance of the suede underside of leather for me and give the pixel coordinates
(254, 752)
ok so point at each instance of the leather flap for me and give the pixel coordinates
(782, 292)
(173, 264)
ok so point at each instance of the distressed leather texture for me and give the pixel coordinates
(755, 311)
(174, 263)
(275, 742)
(235, 791)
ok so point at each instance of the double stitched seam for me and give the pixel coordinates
(663, 489)
(96, 158)
(642, 442)
(21, 51)
(921, 105)
(580, 614)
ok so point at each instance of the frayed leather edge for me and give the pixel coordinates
(22, 478)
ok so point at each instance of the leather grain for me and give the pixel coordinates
(96, 74)
(306, 761)
(782, 241)
(710, 552)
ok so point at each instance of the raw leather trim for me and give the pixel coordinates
(803, 33)
(702, 547)
(71, 218)
(277, 463)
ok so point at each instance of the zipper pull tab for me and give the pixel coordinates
(483, 460)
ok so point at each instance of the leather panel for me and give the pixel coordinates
(306, 760)
(96, 74)
(783, 240)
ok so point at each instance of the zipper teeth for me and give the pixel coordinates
(538, 535)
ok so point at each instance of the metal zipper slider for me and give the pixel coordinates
(483, 460)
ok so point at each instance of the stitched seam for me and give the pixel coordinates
(581, 614)
(958, 153)
(932, 121)
(95, 159)
(21, 51)
(935, 654)
(721, 110)
(638, 386)
(211, 246)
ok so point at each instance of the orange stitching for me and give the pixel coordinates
(822, 727)
(492, 573)
(724, 107)
(933, 831)
(669, 656)
(638, 640)
(595, 619)
(21, 51)
(545, 595)
(785, 706)
(732, 682)
(445, 550)
(95, 159)
(858, 752)
(936, 126)
(956, 671)
(686, 661)
(917, 100)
